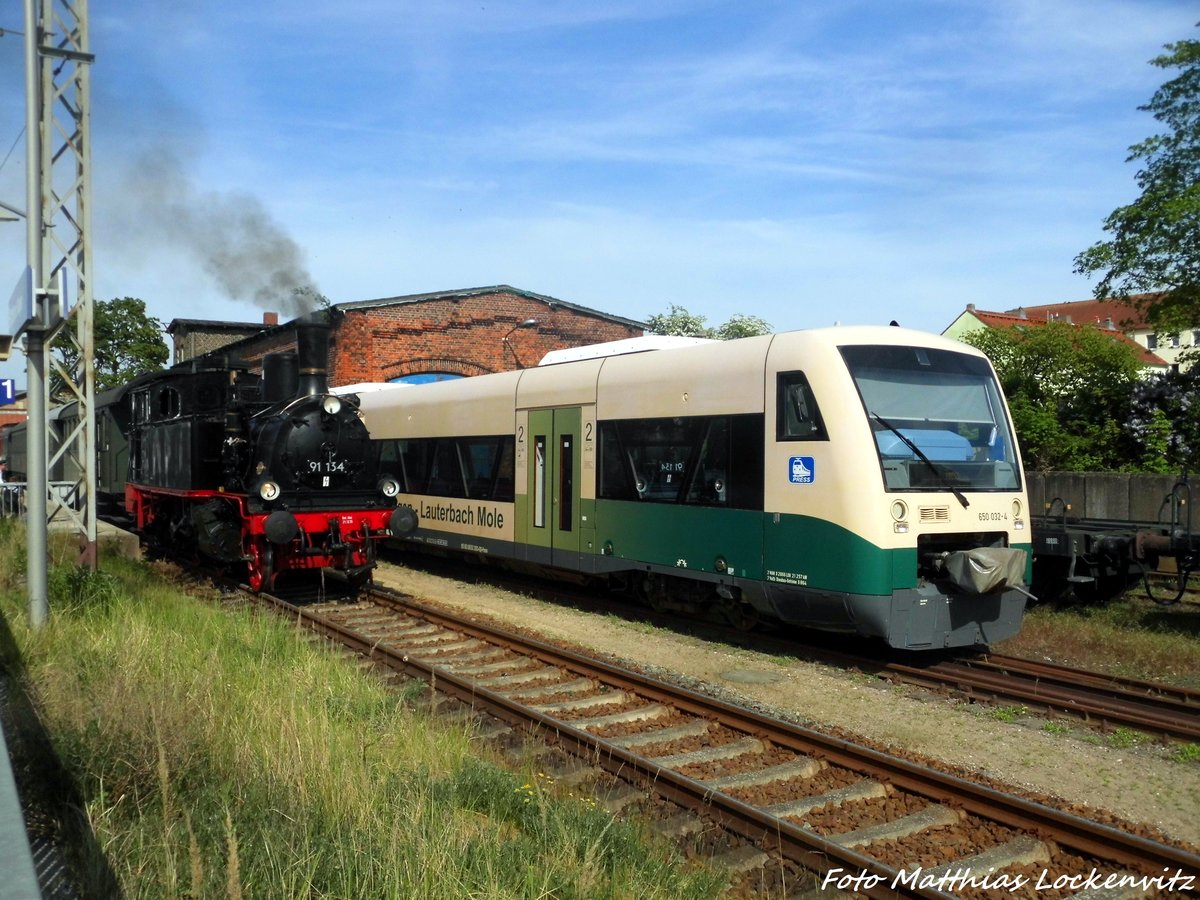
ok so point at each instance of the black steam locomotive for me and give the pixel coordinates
(272, 471)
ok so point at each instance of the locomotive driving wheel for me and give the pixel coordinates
(260, 564)
(268, 566)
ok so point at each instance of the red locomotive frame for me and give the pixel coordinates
(340, 539)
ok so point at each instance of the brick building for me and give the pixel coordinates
(195, 337)
(422, 336)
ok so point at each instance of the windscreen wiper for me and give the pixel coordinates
(941, 476)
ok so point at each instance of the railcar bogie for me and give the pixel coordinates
(1099, 533)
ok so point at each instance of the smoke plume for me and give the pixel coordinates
(230, 235)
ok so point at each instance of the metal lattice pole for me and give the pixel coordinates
(58, 90)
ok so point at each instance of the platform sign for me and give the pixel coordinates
(8, 391)
(20, 304)
(23, 312)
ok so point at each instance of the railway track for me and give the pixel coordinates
(1109, 701)
(863, 820)
(1098, 700)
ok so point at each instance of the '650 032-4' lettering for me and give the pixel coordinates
(993, 517)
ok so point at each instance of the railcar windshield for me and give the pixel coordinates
(937, 417)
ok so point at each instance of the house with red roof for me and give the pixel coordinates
(1157, 352)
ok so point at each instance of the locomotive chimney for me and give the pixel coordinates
(312, 350)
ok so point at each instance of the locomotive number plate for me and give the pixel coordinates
(329, 466)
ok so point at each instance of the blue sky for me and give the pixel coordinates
(806, 162)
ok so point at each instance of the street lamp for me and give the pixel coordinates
(528, 323)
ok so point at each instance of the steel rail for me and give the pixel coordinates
(805, 847)
(1070, 831)
(1163, 710)
(1118, 684)
(1155, 708)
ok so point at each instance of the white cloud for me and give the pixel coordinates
(880, 159)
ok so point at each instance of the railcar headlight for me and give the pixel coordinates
(900, 516)
(389, 487)
(268, 490)
(331, 405)
(1017, 509)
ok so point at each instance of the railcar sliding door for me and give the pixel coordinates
(552, 504)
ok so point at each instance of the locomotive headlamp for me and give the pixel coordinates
(268, 490)
(331, 405)
(1017, 509)
(389, 487)
(900, 516)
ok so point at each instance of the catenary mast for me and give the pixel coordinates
(59, 257)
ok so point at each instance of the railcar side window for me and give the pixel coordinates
(700, 461)
(446, 475)
(477, 467)
(797, 417)
(414, 459)
(485, 461)
(615, 467)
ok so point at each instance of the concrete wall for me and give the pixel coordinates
(1102, 495)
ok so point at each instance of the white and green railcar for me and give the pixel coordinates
(855, 479)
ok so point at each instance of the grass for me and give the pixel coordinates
(216, 753)
(1122, 738)
(1007, 713)
(1131, 637)
(1187, 753)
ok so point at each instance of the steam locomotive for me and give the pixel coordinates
(274, 471)
(263, 474)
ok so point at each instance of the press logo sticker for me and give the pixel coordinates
(801, 470)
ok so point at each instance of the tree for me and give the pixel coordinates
(1164, 415)
(127, 342)
(1155, 244)
(678, 321)
(1069, 388)
(740, 326)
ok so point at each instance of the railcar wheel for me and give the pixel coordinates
(741, 615)
(653, 592)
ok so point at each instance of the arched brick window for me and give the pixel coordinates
(424, 377)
